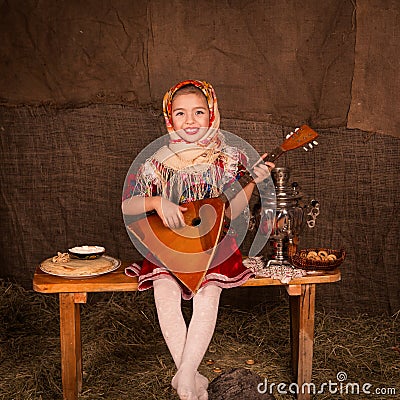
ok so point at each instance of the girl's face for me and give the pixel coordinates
(190, 116)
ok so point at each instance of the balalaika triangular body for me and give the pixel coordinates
(187, 252)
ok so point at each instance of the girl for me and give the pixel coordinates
(195, 164)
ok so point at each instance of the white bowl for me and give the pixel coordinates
(87, 252)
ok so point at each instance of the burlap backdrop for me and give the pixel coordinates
(81, 86)
(293, 59)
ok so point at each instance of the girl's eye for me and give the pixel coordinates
(200, 112)
(178, 114)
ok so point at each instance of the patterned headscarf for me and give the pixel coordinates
(213, 137)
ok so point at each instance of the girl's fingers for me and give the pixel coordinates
(270, 165)
(260, 160)
(165, 222)
(176, 221)
(262, 171)
(181, 220)
(171, 214)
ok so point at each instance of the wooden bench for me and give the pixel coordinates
(73, 292)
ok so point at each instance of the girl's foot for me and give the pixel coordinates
(185, 385)
(201, 386)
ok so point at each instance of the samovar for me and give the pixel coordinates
(286, 219)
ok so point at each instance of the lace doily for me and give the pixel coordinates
(284, 273)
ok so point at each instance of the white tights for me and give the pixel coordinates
(187, 345)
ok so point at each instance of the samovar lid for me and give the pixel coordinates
(283, 188)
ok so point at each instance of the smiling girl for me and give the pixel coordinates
(196, 164)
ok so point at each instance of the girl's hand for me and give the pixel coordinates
(170, 213)
(263, 171)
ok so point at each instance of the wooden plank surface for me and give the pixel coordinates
(118, 281)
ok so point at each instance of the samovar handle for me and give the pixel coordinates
(313, 213)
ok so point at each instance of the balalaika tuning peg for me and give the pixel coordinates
(296, 129)
(305, 148)
(289, 134)
(310, 145)
(315, 143)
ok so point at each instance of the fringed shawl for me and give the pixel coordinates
(193, 182)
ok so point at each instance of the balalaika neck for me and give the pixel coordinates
(274, 155)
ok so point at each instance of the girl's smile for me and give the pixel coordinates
(191, 131)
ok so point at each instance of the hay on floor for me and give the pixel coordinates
(125, 357)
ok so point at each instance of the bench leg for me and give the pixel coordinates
(302, 311)
(71, 350)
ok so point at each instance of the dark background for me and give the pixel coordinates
(81, 85)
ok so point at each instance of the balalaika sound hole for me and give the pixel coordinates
(196, 221)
